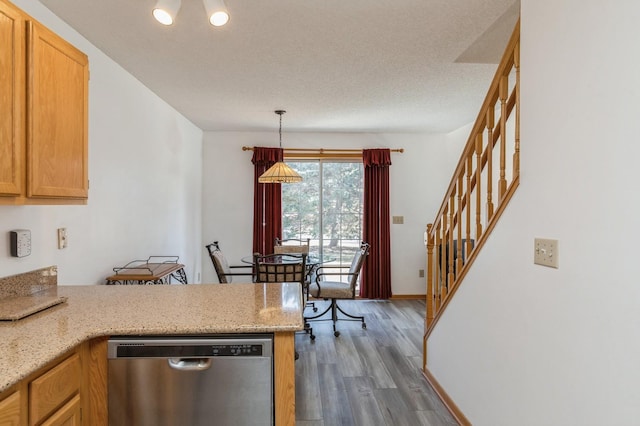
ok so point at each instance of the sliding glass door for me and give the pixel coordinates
(326, 207)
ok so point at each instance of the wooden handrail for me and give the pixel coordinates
(490, 100)
(496, 134)
(483, 182)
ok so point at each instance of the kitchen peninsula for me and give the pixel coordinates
(91, 314)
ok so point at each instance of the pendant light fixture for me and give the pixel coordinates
(280, 172)
(166, 10)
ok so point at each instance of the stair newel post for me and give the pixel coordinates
(478, 185)
(490, 118)
(504, 94)
(430, 292)
(516, 153)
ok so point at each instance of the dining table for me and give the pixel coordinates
(312, 262)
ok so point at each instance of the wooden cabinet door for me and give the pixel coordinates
(10, 410)
(68, 415)
(48, 391)
(12, 41)
(57, 118)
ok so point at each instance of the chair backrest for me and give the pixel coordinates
(291, 245)
(276, 268)
(356, 264)
(220, 263)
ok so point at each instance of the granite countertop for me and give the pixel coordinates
(95, 310)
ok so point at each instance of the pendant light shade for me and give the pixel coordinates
(280, 172)
(217, 12)
(166, 10)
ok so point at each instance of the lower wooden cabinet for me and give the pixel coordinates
(10, 410)
(69, 415)
(71, 391)
(52, 389)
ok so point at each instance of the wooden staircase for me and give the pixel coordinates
(484, 181)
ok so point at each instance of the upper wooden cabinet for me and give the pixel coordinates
(57, 87)
(44, 136)
(12, 91)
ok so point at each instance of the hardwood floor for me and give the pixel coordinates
(367, 377)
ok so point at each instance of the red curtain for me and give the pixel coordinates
(375, 281)
(267, 202)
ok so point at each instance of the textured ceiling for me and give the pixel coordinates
(334, 65)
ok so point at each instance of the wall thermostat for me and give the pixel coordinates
(20, 242)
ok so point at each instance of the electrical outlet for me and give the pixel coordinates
(546, 252)
(398, 220)
(421, 273)
(62, 238)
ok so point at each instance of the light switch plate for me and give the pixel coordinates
(546, 252)
(398, 220)
(62, 238)
(20, 242)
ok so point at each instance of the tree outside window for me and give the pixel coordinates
(325, 207)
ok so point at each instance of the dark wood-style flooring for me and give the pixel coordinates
(367, 377)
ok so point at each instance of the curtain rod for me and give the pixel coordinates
(322, 152)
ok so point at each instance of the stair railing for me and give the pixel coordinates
(484, 181)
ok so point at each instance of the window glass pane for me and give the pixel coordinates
(326, 207)
(301, 203)
(342, 209)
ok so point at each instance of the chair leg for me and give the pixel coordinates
(318, 315)
(309, 330)
(334, 316)
(334, 308)
(355, 317)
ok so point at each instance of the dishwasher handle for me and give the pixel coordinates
(190, 364)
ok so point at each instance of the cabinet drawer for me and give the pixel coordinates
(10, 410)
(49, 391)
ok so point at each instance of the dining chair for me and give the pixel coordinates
(277, 268)
(295, 245)
(290, 267)
(291, 245)
(338, 290)
(223, 269)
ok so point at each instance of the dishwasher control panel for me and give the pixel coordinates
(235, 350)
(163, 347)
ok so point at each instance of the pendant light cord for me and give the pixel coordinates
(280, 131)
(280, 112)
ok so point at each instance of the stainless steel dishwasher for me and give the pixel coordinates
(191, 381)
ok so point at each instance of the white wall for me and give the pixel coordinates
(418, 179)
(145, 181)
(529, 345)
